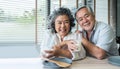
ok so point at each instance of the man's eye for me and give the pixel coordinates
(80, 19)
(86, 16)
(66, 21)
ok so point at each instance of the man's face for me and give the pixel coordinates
(85, 19)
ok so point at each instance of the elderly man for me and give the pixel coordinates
(98, 37)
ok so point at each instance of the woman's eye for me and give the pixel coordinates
(59, 22)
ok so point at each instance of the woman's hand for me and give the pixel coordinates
(56, 51)
(71, 45)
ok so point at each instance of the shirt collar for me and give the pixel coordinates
(64, 37)
(93, 28)
(92, 33)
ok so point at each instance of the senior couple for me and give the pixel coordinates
(97, 39)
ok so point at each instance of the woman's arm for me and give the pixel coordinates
(59, 51)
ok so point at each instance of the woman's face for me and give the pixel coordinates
(62, 25)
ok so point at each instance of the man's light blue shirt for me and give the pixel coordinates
(103, 36)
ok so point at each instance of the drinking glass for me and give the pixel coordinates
(78, 41)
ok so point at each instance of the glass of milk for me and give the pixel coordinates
(78, 42)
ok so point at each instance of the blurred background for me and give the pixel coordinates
(22, 22)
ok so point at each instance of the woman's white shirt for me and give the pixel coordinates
(51, 40)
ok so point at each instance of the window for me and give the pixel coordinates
(102, 7)
(54, 4)
(42, 13)
(17, 21)
(24, 21)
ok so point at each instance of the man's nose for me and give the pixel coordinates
(84, 19)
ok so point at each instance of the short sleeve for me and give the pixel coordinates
(106, 38)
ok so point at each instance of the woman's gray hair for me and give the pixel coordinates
(88, 7)
(58, 12)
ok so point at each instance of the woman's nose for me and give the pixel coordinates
(63, 24)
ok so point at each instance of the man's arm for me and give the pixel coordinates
(93, 50)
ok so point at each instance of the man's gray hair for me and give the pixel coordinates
(88, 7)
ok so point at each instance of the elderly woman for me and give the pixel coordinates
(59, 40)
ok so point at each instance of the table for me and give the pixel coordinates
(35, 63)
(27, 57)
(92, 63)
